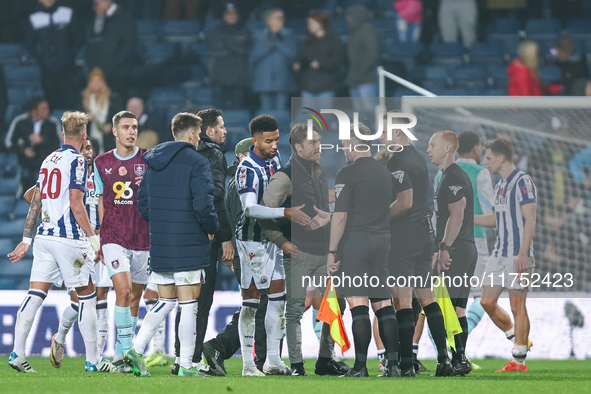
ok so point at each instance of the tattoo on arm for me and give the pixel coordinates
(32, 216)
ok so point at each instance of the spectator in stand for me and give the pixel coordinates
(33, 136)
(174, 9)
(229, 46)
(100, 103)
(408, 19)
(573, 64)
(53, 35)
(524, 74)
(458, 17)
(580, 167)
(582, 87)
(151, 132)
(112, 43)
(363, 50)
(320, 59)
(273, 52)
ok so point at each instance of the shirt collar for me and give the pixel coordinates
(69, 147)
(466, 160)
(515, 171)
(257, 159)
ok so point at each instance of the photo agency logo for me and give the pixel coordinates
(392, 121)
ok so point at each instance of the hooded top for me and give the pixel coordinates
(176, 199)
(363, 48)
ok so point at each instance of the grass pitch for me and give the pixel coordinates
(544, 376)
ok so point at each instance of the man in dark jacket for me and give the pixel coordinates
(229, 47)
(181, 229)
(212, 136)
(112, 44)
(53, 35)
(572, 63)
(302, 182)
(33, 136)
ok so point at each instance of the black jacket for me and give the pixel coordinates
(211, 151)
(233, 204)
(328, 51)
(229, 49)
(363, 48)
(573, 68)
(115, 49)
(176, 199)
(54, 36)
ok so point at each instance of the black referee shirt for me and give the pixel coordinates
(409, 171)
(363, 189)
(454, 185)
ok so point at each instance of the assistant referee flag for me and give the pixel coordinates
(330, 313)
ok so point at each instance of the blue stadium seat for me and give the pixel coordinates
(21, 209)
(494, 92)
(510, 50)
(472, 77)
(181, 30)
(6, 205)
(167, 98)
(21, 269)
(456, 92)
(486, 53)
(498, 77)
(298, 26)
(437, 77)
(158, 53)
(255, 24)
(210, 23)
(9, 186)
(385, 27)
(541, 29)
(198, 73)
(195, 53)
(12, 229)
(447, 54)
(236, 118)
(7, 284)
(202, 96)
(550, 74)
(22, 76)
(6, 246)
(578, 28)
(12, 54)
(505, 29)
(149, 30)
(401, 51)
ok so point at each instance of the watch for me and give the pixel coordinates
(332, 252)
(444, 246)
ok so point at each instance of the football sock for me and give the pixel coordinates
(381, 355)
(437, 328)
(124, 333)
(464, 334)
(316, 324)
(102, 324)
(158, 341)
(415, 349)
(152, 322)
(474, 314)
(510, 334)
(25, 317)
(519, 354)
(274, 325)
(388, 327)
(133, 326)
(66, 322)
(246, 328)
(187, 332)
(87, 326)
(406, 330)
(326, 343)
(361, 335)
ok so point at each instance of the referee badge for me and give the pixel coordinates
(338, 188)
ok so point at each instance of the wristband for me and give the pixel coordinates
(332, 252)
(27, 240)
(443, 246)
(95, 242)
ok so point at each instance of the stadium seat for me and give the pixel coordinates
(22, 76)
(6, 205)
(542, 29)
(494, 92)
(298, 26)
(447, 54)
(437, 77)
(497, 76)
(578, 28)
(401, 51)
(550, 74)
(21, 209)
(195, 53)
(399, 92)
(198, 73)
(7, 284)
(149, 30)
(473, 77)
(456, 92)
(487, 53)
(236, 118)
(385, 28)
(510, 50)
(6, 246)
(181, 30)
(255, 25)
(210, 23)
(12, 54)
(17, 270)
(9, 186)
(166, 98)
(505, 29)
(12, 229)
(158, 53)
(202, 97)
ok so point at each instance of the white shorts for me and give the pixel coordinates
(152, 284)
(102, 275)
(500, 271)
(59, 260)
(178, 278)
(119, 259)
(260, 263)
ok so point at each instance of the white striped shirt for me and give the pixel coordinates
(91, 200)
(510, 195)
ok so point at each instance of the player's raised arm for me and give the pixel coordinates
(34, 210)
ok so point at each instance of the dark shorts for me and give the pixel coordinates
(411, 255)
(464, 258)
(364, 259)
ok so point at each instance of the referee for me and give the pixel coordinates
(412, 249)
(454, 204)
(360, 236)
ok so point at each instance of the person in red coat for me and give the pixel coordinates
(524, 74)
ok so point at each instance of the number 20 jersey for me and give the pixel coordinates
(61, 171)
(115, 181)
